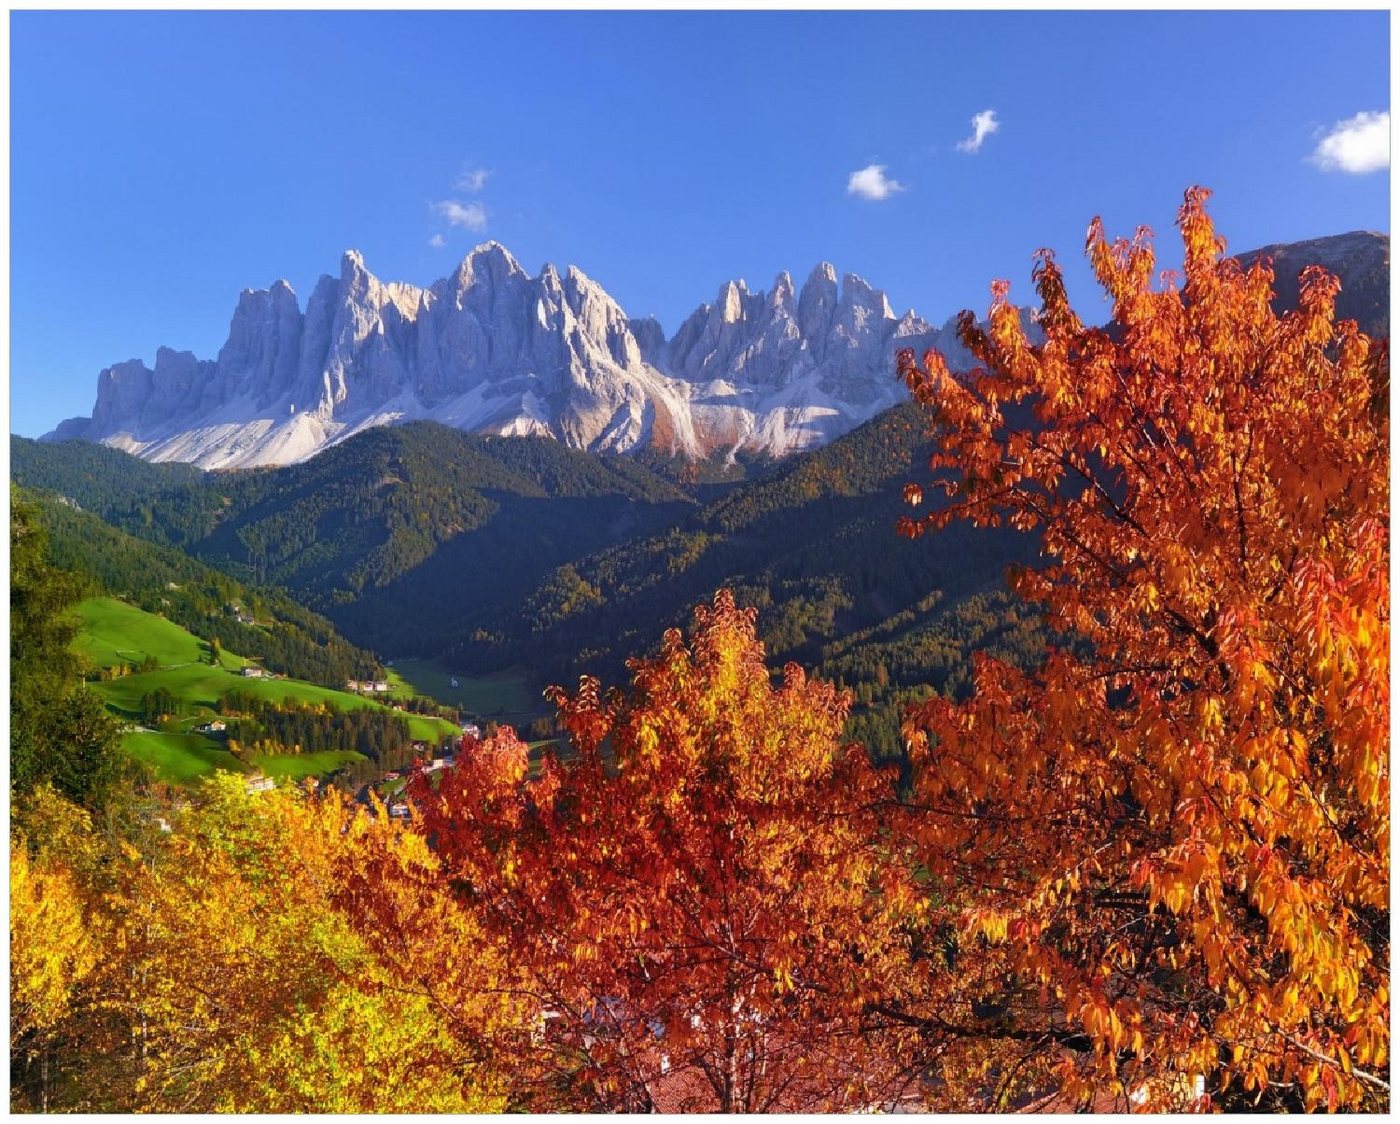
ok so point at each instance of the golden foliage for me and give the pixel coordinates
(228, 967)
(51, 951)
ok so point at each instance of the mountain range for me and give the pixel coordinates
(492, 349)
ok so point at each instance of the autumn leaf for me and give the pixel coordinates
(1182, 818)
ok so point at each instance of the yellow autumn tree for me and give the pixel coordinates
(228, 967)
(50, 948)
(56, 942)
(251, 988)
(1164, 854)
(52, 953)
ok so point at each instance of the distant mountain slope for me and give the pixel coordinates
(1361, 259)
(813, 547)
(391, 533)
(102, 475)
(288, 638)
(165, 502)
(396, 532)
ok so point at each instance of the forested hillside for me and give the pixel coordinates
(813, 548)
(168, 502)
(491, 553)
(393, 534)
(287, 637)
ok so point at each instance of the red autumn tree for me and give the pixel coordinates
(699, 893)
(1165, 853)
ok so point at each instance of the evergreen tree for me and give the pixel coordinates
(59, 730)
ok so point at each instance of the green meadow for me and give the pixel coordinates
(180, 758)
(114, 633)
(297, 766)
(505, 697)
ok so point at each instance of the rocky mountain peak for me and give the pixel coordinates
(489, 348)
(859, 293)
(578, 280)
(730, 302)
(817, 301)
(493, 259)
(650, 337)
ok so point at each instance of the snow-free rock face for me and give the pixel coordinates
(491, 348)
(782, 370)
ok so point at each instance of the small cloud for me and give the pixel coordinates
(473, 180)
(984, 124)
(1358, 145)
(469, 216)
(437, 240)
(872, 183)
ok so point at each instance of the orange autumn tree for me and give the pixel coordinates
(699, 893)
(1166, 851)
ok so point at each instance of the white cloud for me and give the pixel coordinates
(1358, 145)
(872, 183)
(469, 216)
(437, 240)
(984, 124)
(472, 179)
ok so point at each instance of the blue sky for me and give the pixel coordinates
(161, 162)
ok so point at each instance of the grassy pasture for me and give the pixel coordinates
(180, 758)
(504, 697)
(113, 633)
(298, 766)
